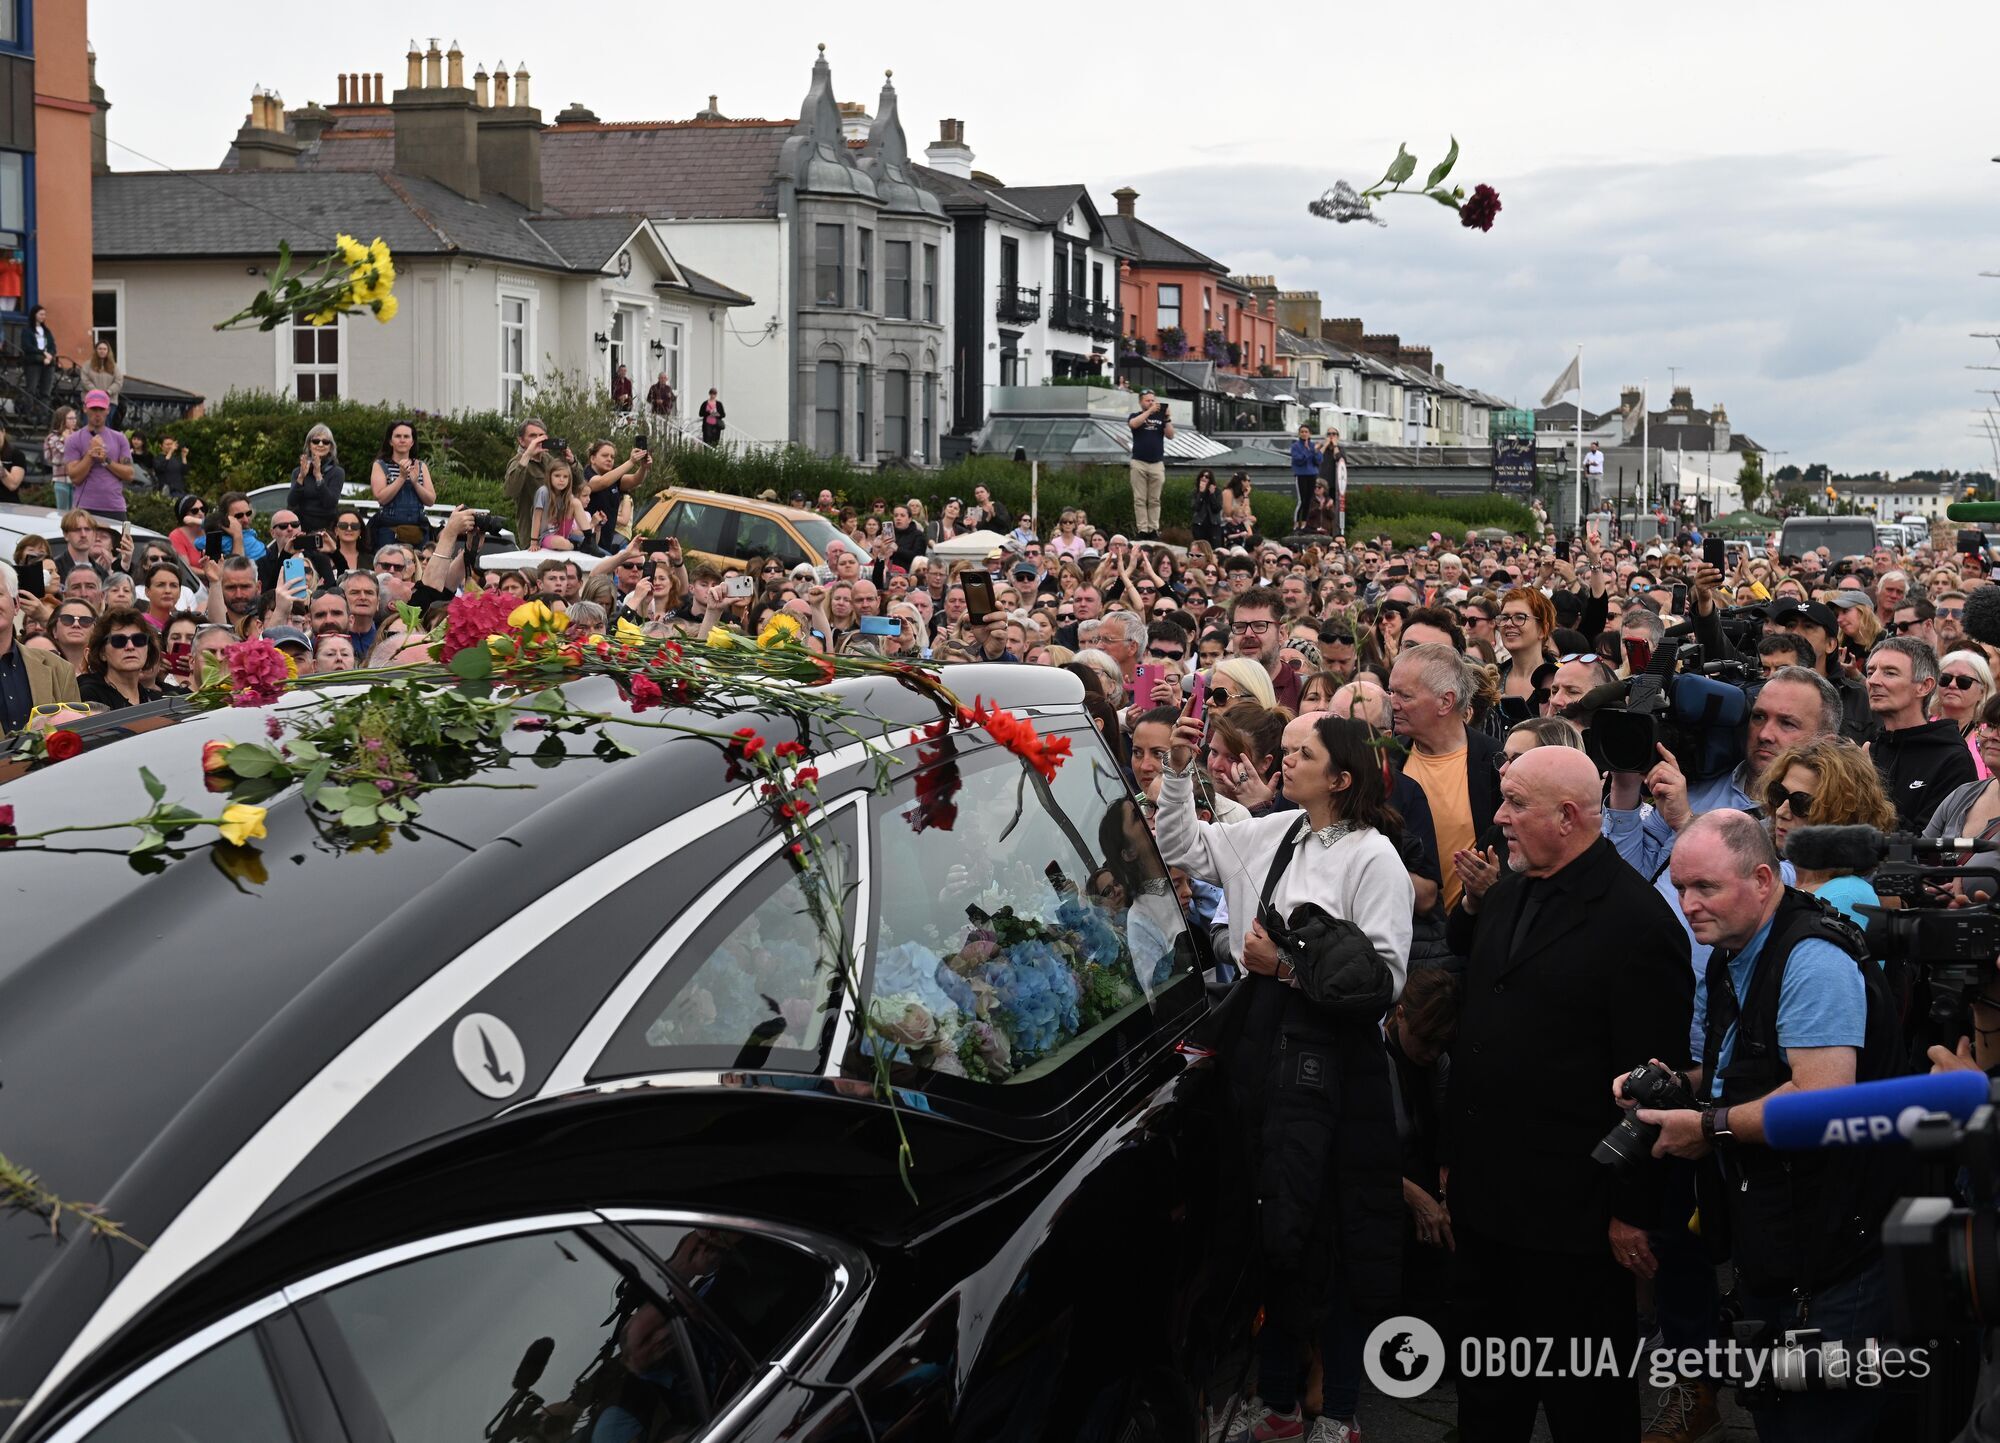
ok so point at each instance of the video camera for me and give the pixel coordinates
(1938, 955)
(1687, 702)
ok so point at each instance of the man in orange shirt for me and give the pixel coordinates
(1429, 690)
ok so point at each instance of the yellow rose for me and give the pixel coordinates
(240, 822)
(720, 637)
(629, 631)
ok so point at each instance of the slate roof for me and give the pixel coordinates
(702, 288)
(959, 194)
(139, 215)
(677, 170)
(1562, 416)
(669, 169)
(1152, 246)
(586, 242)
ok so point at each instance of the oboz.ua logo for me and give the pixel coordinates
(1403, 1357)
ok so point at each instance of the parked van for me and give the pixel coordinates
(1840, 535)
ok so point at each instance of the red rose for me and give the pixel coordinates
(645, 693)
(6, 824)
(1479, 208)
(215, 756)
(62, 745)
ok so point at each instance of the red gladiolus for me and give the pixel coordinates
(1044, 754)
(826, 670)
(645, 693)
(1478, 209)
(62, 745)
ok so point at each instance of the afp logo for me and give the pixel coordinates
(1871, 1127)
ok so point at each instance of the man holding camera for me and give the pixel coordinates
(528, 473)
(1789, 1002)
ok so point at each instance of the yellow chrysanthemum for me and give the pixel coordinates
(240, 823)
(385, 309)
(321, 318)
(352, 252)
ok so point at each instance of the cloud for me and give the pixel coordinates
(1826, 310)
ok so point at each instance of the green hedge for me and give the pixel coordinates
(253, 439)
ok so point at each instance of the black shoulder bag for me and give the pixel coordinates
(1337, 966)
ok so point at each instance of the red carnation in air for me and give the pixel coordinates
(1479, 208)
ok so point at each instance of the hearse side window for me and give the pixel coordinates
(1027, 927)
(542, 1329)
(223, 1396)
(753, 986)
(766, 1292)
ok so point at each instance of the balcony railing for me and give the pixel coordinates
(1106, 320)
(1070, 313)
(1019, 303)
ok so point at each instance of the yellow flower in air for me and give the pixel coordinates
(385, 309)
(321, 318)
(240, 822)
(352, 252)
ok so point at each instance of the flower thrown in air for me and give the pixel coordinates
(1477, 212)
(1342, 204)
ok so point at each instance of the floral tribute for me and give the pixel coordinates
(351, 279)
(1342, 203)
(365, 758)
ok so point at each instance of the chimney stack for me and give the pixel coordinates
(479, 94)
(262, 143)
(343, 91)
(437, 127)
(1128, 201)
(455, 60)
(100, 142)
(416, 77)
(309, 124)
(375, 89)
(949, 153)
(510, 141)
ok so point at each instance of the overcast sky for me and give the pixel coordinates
(1788, 202)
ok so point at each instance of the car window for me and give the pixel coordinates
(544, 1325)
(766, 1292)
(223, 1396)
(698, 524)
(1025, 928)
(761, 536)
(818, 533)
(751, 986)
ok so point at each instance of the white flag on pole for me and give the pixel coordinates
(1570, 380)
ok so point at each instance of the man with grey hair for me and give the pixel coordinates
(1543, 1005)
(1642, 623)
(1429, 689)
(1122, 636)
(396, 569)
(1920, 759)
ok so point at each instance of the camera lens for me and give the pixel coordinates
(1628, 1144)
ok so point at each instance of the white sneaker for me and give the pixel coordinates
(1330, 1430)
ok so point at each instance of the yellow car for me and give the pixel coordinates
(728, 531)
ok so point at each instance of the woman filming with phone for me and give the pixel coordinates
(1320, 912)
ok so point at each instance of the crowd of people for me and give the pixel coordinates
(1408, 748)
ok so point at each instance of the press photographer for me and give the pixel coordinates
(1789, 1002)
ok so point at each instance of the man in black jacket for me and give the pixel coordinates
(1920, 760)
(1549, 1240)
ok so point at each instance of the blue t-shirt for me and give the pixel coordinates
(1149, 440)
(1822, 1003)
(1847, 895)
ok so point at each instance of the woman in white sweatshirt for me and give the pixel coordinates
(1308, 1083)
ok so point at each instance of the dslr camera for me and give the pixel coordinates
(1631, 1142)
(488, 524)
(1692, 706)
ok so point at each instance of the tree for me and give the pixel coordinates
(1751, 478)
(1786, 474)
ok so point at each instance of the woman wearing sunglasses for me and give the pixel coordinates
(1828, 782)
(348, 546)
(1967, 809)
(123, 648)
(1965, 685)
(70, 629)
